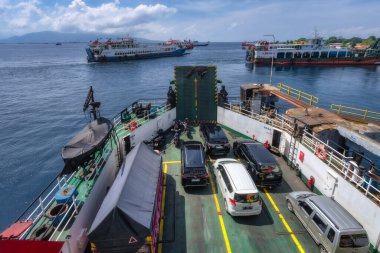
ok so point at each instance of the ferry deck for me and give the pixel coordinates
(195, 219)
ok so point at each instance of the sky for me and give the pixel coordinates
(203, 20)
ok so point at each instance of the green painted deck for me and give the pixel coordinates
(192, 223)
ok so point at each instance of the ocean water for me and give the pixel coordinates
(43, 88)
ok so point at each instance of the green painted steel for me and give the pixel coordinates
(196, 91)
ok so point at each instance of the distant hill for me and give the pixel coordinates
(54, 37)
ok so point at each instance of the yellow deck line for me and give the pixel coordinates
(171, 162)
(225, 236)
(296, 242)
(161, 234)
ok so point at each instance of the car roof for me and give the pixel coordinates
(339, 216)
(215, 132)
(241, 180)
(193, 154)
(261, 154)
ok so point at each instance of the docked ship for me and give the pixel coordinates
(312, 52)
(126, 49)
(120, 189)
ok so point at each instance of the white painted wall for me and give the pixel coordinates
(149, 130)
(245, 125)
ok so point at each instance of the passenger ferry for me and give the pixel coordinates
(312, 52)
(128, 49)
(120, 189)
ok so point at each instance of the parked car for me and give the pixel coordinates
(332, 227)
(193, 165)
(216, 141)
(264, 169)
(240, 194)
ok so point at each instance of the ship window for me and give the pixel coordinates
(315, 54)
(349, 54)
(306, 55)
(297, 55)
(342, 54)
(280, 55)
(324, 54)
(332, 54)
(289, 55)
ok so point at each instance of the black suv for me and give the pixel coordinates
(193, 169)
(264, 169)
(216, 141)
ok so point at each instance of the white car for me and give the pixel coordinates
(240, 194)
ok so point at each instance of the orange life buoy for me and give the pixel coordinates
(132, 126)
(321, 152)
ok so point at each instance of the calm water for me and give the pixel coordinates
(43, 87)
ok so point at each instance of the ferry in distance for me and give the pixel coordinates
(312, 52)
(128, 49)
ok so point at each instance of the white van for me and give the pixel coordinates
(240, 195)
(332, 227)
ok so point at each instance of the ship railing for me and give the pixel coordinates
(341, 164)
(46, 198)
(355, 112)
(159, 102)
(271, 118)
(297, 94)
(159, 105)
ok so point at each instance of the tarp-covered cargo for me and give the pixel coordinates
(130, 213)
(85, 143)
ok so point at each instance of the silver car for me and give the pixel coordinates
(331, 226)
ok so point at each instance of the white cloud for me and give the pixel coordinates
(31, 16)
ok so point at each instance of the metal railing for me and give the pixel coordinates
(297, 94)
(276, 120)
(37, 209)
(355, 112)
(158, 107)
(341, 164)
(334, 159)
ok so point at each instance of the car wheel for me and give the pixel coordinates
(290, 206)
(322, 249)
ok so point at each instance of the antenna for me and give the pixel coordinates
(90, 102)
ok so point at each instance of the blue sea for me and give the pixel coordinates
(43, 88)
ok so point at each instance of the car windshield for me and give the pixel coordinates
(246, 198)
(353, 241)
(273, 168)
(216, 135)
(194, 156)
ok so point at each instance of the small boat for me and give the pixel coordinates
(200, 44)
(58, 44)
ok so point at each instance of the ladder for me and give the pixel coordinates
(293, 150)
